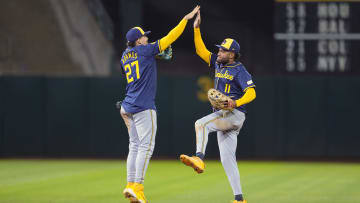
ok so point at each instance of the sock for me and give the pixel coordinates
(200, 155)
(239, 198)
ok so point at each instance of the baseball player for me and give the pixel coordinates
(138, 108)
(233, 80)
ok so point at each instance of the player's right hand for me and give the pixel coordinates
(197, 20)
(192, 13)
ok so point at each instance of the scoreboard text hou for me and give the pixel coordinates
(317, 36)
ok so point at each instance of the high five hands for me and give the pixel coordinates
(192, 13)
(197, 20)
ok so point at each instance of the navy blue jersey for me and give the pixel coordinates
(140, 69)
(231, 79)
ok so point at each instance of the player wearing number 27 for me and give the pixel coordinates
(138, 108)
(233, 80)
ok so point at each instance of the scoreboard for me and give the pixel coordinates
(317, 37)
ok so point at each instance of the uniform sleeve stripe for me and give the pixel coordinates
(159, 46)
(248, 88)
(210, 59)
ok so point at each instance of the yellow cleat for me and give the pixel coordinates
(128, 192)
(195, 162)
(138, 196)
(239, 201)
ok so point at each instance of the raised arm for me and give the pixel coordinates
(175, 33)
(200, 47)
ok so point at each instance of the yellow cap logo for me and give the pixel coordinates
(227, 43)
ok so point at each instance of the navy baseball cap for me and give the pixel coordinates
(230, 45)
(135, 33)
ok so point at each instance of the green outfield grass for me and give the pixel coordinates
(94, 181)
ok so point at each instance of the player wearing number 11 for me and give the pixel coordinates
(233, 80)
(138, 108)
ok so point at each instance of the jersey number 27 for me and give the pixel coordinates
(127, 68)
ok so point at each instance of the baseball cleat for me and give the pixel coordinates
(195, 162)
(128, 191)
(137, 194)
(239, 201)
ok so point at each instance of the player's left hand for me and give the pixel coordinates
(192, 13)
(230, 103)
(166, 54)
(197, 20)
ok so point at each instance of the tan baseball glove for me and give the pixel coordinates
(220, 101)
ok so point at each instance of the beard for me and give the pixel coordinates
(222, 60)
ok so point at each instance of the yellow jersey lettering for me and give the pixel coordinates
(128, 77)
(128, 56)
(227, 88)
(125, 57)
(128, 71)
(225, 75)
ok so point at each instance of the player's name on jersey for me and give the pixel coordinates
(131, 54)
(225, 75)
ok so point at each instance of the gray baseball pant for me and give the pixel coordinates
(228, 125)
(142, 131)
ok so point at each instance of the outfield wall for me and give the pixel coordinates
(292, 117)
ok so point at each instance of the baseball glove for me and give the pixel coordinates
(166, 54)
(219, 100)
